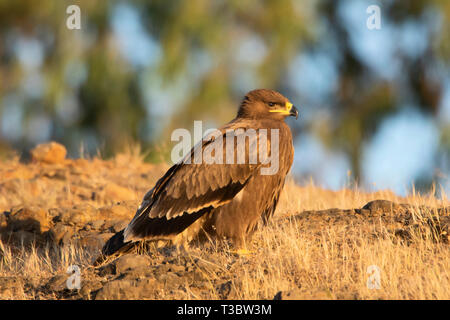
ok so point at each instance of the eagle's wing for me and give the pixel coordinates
(189, 190)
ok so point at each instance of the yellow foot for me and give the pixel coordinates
(241, 252)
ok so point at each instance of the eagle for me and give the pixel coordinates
(228, 193)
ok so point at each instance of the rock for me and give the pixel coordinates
(403, 234)
(195, 276)
(114, 192)
(209, 266)
(140, 272)
(92, 242)
(97, 224)
(11, 287)
(443, 228)
(224, 290)
(128, 290)
(81, 192)
(106, 270)
(172, 280)
(3, 220)
(89, 286)
(58, 282)
(116, 225)
(29, 219)
(379, 207)
(300, 294)
(120, 225)
(61, 233)
(20, 173)
(116, 212)
(437, 229)
(177, 269)
(49, 153)
(105, 236)
(131, 261)
(24, 238)
(78, 215)
(364, 212)
(56, 171)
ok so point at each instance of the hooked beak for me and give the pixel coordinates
(293, 112)
(288, 110)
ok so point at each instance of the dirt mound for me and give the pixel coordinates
(54, 200)
(405, 221)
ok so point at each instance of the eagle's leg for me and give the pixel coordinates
(241, 252)
(240, 246)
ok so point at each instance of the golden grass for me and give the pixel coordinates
(338, 265)
(34, 266)
(331, 262)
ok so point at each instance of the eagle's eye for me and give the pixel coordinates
(271, 104)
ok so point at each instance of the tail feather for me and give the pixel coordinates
(116, 244)
(113, 246)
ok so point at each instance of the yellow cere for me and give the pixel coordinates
(288, 107)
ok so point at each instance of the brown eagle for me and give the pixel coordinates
(227, 194)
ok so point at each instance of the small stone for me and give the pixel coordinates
(58, 282)
(97, 224)
(29, 219)
(78, 215)
(23, 238)
(105, 236)
(61, 233)
(116, 212)
(177, 269)
(49, 153)
(107, 269)
(378, 207)
(208, 265)
(3, 220)
(115, 225)
(20, 173)
(364, 212)
(120, 225)
(88, 287)
(403, 234)
(172, 280)
(224, 290)
(114, 192)
(94, 242)
(128, 290)
(10, 287)
(299, 294)
(130, 261)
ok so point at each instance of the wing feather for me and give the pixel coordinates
(190, 188)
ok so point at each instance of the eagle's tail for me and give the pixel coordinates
(114, 246)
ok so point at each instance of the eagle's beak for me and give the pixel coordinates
(294, 112)
(288, 110)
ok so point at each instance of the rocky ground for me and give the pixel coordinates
(57, 212)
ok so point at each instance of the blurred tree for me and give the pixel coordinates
(180, 60)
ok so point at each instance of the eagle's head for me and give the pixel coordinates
(266, 104)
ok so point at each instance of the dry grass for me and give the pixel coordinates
(331, 261)
(319, 260)
(337, 256)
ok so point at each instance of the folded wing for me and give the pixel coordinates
(189, 190)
